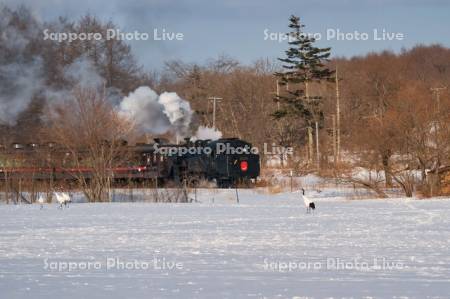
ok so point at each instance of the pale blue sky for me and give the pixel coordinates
(236, 28)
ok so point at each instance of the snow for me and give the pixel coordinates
(218, 248)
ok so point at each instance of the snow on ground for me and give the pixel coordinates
(263, 247)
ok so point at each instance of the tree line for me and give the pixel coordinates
(393, 115)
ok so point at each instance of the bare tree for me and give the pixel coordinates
(91, 132)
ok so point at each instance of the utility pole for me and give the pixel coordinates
(214, 99)
(278, 95)
(338, 119)
(317, 145)
(334, 141)
(310, 138)
(287, 84)
(437, 92)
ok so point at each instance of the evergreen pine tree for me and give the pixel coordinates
(304, 63)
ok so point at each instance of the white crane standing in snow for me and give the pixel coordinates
(63, 199)
(309, 204)
(41, 201)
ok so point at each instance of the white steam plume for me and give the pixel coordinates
(178, 111)
(207, 133)
(157, 114)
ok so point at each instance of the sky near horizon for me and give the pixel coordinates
(248, 30)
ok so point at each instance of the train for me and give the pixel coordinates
(227, 162)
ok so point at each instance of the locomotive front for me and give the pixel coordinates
(233, 161)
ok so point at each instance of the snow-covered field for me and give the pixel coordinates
(263, 247)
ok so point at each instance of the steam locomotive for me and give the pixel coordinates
(225, 161)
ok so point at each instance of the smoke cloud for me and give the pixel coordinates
(82, 72)
(22, 70)
(19, 82)
(20, 76)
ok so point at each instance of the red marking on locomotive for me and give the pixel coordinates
(244, 165)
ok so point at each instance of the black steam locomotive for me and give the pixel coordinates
(225, 161)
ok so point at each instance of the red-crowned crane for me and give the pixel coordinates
(309, 204)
